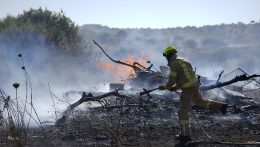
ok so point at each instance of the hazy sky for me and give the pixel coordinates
(144, 13)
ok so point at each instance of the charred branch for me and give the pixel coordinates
(85, 98)
(195, 143)
(140, 67)
(219, 76)
(243, 77)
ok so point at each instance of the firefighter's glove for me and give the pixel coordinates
(162, 87)
(174, 88)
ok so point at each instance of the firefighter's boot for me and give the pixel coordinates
(182, 139)
(185, 133)
(224, 109)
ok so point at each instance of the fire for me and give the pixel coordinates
(119, 70)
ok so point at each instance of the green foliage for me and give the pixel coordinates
(56, 29)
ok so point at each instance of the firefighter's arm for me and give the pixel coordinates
(171, 83)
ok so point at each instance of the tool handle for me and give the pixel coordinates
(147, 91)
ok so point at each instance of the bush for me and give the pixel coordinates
(57, 30)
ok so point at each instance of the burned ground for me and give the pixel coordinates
(144, 123)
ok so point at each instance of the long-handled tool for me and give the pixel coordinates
(145, 91)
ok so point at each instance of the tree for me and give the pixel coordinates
(57, 30)
(252, 22)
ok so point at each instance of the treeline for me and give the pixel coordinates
(227, 45)
(208, 37)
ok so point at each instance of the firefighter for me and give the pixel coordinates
(183, 77)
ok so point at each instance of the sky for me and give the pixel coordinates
(144, 13)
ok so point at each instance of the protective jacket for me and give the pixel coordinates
(181, 74)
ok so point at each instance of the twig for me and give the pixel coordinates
(55, 111)
(27, 78)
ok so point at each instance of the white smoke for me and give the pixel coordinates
(46, 66)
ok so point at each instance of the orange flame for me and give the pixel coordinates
(119, 70)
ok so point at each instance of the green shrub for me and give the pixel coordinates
(57, 30)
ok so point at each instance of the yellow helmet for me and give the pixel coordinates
(169, 51)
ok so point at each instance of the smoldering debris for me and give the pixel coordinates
(143, 120)
(158, 109)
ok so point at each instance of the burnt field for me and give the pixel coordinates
(130, 115)
(143, 122)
